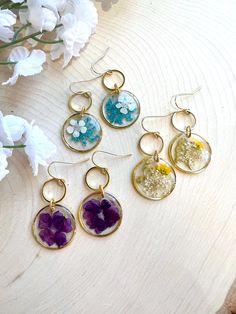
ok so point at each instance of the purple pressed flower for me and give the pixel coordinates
(60, 238)
(100, 215)
(47, 236)
(58, 220)
(45, 221)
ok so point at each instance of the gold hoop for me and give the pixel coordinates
(157, 136)
(116, 87)
(59, 182)
(87, 95)
(187, 112)
(104, 172)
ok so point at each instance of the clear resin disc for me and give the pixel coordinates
(100, 215)
(190, 154)
(82, 133)
(154, 179)
(121, 110)
(54, 229)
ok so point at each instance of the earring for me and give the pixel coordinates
(153, 177)
(54, 225)
(100, 213)
(120, 108)
(188, 152)
(82, 131)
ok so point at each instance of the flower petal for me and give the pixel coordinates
(73, 122)
(124, 110)
(132, 106)
(60, 238)
(16, 126)
(76, 133)
(47, 236)
(81, 123)
(119, 105)
(83, 129)
(70, 129)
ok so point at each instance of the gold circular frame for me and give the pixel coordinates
(104, 172)
(87, 95)
(71, 147)
(116, 126)
(48, 247)
(179, 168)
(109, 73)
(80, 218)
(135, 185)
(156, 136)
(59, 182)
(186, 112)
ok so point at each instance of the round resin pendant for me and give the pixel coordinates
(100, 214)
(54, 229)
(121, 110)
(190, 154)
(82, 132)
(154, 179)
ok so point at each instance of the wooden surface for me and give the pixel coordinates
(173, 256)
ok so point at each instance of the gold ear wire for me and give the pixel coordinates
(65, 163)
(153, 117)
(183, 94)
(108, 153)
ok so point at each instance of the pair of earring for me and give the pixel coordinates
(82, 131)
(155, 178)
(99, 214)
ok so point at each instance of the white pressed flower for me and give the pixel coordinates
(16, 126)
(125, 103)
(74, 34)
(7, 19)
(26, 63)
(76, 127)
(38, 147)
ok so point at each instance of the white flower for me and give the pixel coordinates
(5, 136)
(76, 127)
(7, 19)
(3, 163)
(38, 147)
(75, 34)
(126, 103)
(16, 129)
(26, 63)
(41, 18)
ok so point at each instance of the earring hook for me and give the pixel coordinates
(153, 117)
(183, 94)
(108, 153)
(92, 68)
(64, 163)
(93, 71)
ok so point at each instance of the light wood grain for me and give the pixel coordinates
(173, 256)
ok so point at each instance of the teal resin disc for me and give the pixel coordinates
(82, 132)
(121, 110)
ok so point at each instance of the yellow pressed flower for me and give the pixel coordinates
(199, 145)
(163, 169)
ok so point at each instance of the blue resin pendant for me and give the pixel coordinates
(121, 109)
(82, 132)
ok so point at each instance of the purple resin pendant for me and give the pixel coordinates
(100, 215)
(54, 229)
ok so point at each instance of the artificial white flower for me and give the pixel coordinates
(41, 18)
(74, 34)
(38, 147)
(76, 127)
(26, 63)
(5, 136)
(125, 103)
(3, 163)
(7, 19)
